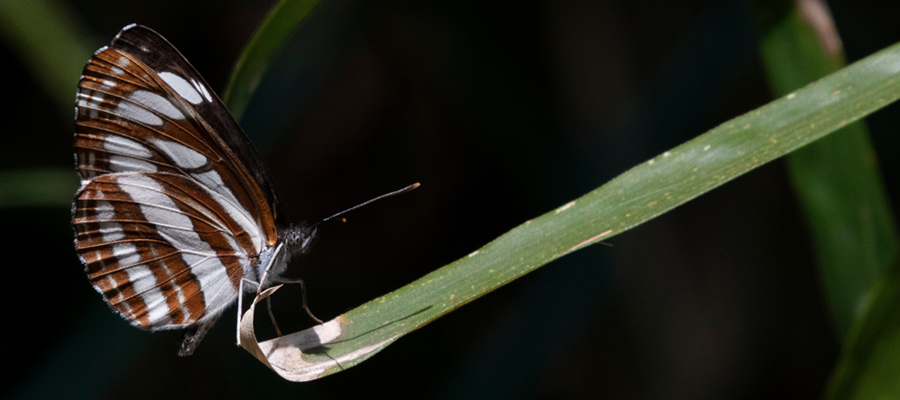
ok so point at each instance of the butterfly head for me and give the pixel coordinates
(298, 239)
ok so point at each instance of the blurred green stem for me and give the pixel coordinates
(50, 45)
(257, 56)
(37, 187)
(836, 179)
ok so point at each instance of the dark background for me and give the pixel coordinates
(502, 111)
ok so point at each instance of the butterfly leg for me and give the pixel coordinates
(241, 307)
(240, 304)
(303, 295)
(272, 316)
(194, 334)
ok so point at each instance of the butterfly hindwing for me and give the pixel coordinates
(157, 249)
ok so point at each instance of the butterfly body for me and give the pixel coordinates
(175, 208)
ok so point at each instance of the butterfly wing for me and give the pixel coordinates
(175, 203)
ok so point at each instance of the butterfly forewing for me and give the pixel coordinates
(175, 204)
(159, 55)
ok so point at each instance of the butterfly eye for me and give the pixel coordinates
(298, 239)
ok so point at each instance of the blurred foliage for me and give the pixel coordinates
(836, 179)
(868, 368)
(839, 185)
(36, 188)
(257, 56)
(45, 37)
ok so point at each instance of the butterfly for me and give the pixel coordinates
(176, 210)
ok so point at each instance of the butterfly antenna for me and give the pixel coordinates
(396, 192)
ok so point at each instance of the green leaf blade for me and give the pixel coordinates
(638, 195)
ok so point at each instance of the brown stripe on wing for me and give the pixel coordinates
(138, 264)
